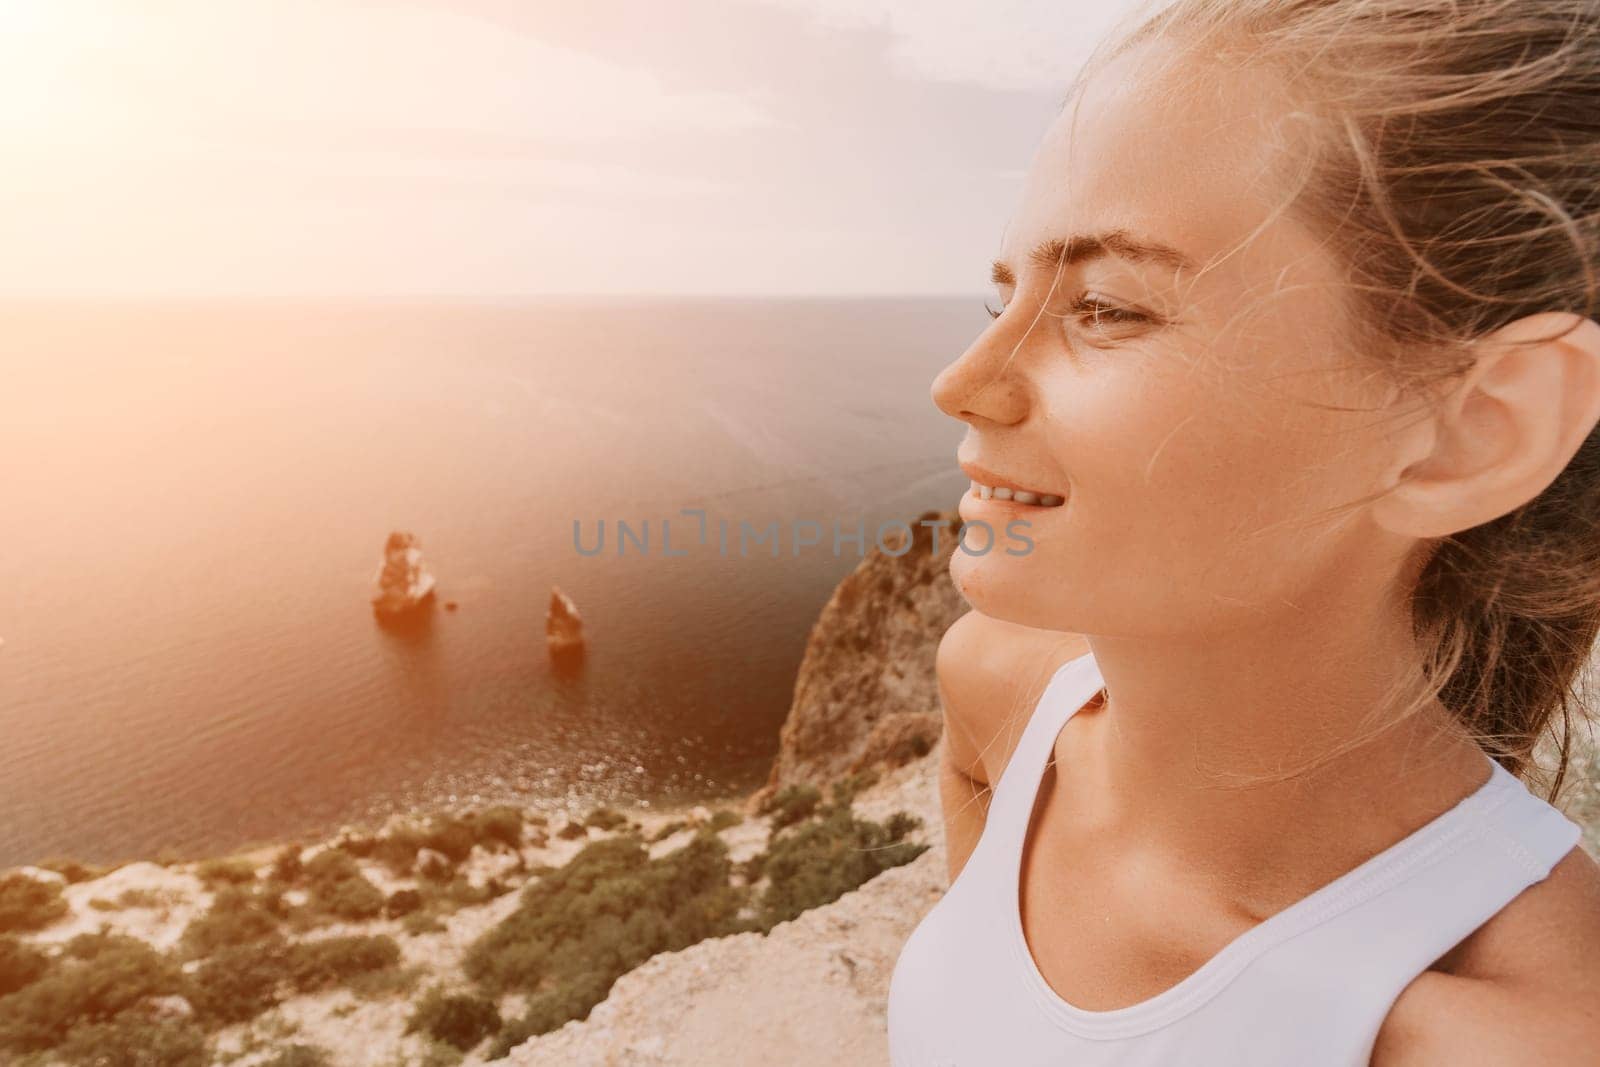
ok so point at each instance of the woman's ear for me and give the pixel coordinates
(1503, 433)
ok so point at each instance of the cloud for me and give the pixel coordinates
(1025, 45)
(77, 70)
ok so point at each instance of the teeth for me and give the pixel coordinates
(1020, 496)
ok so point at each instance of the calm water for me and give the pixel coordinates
(193, 501)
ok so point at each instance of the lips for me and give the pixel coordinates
(990, 485)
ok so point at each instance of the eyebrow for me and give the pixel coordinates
(1081, 248)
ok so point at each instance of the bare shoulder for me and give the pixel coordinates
(990, 675)
(1524, 988)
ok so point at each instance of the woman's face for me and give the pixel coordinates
(1169, 401)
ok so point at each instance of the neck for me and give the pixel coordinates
(1205, 745)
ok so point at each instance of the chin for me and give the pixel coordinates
(1007, 588)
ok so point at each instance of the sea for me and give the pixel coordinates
(194, 499)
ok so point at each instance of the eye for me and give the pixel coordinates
(1102, 313)
(994, 312)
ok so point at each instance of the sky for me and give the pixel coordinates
(488, 148)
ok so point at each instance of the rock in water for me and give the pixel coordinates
(404, 584)
(563, 626)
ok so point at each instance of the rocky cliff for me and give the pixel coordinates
(865, 693)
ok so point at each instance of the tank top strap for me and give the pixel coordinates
(1067, 690)
(1434, 889)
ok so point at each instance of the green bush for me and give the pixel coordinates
(21, 964)
(501, 824)
(551, 1010)
(353, 899)
(236, 917)
(402, 902)
(422, 922)
(360, 846)
(608, 909)
(843, 790)
(820, 861)
(298, 1056)
(220, 872)
(330, 865)
(133, 1039)
(73, 871)
(605, 818)
(792, 804)
(97, 977)
(450, 835)
(459, 1019)
(666, 830)
(320, 964)
(900, 824)
(29, 904)
(239, 983)
(338, 888)
(287, 868)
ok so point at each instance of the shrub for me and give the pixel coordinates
(360, 846)
(607, 819)
(29, 903)
(551, 1010)
(352, 899)
(900, 824)
(73, 871)
(298, 1056)
(792, 804)
(722, 818)
(139, 897)
(287, 868)
(320, 964)
(421, 922)
(20, 964)
(819, 862)
(133, 1039)
(501, 824)
(220, 872)
(450, 835)
(667, 829)
(330, 865)
(843, 790)
(611, 907)
(459, 1019)
(236, 917)
(97, 977)
(338, 888)
(239, 983)
(402, 902)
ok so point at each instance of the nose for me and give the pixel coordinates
(984, 385)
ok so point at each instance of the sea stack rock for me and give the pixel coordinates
(404, 584)
(563, 626)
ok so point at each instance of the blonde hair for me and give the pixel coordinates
(1455, 172)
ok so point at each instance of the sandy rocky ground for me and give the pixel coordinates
(812, 990)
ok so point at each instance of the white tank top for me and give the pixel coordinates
(1309, 986)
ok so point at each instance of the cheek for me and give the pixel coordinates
(1187, 488)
